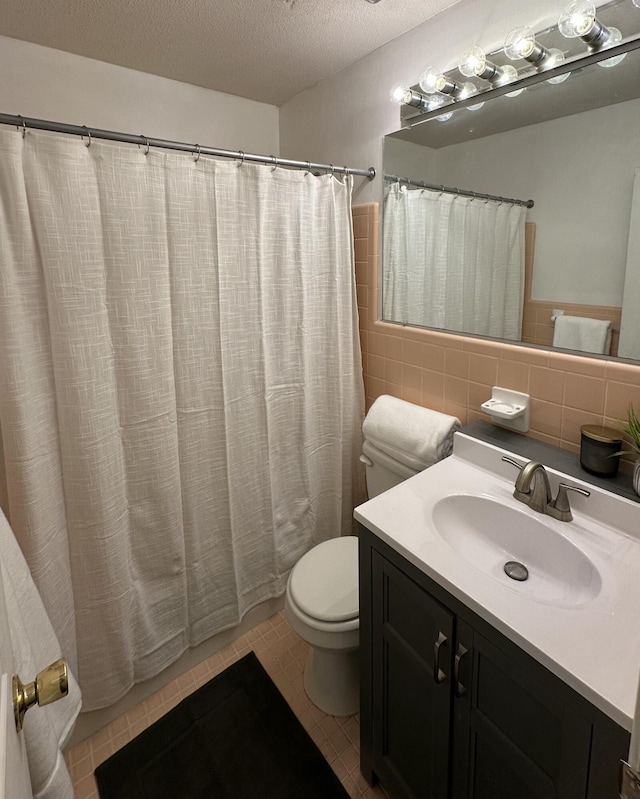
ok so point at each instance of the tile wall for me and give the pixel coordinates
(454, 374)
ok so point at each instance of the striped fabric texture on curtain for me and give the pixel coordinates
(181, 390)
(453, 262)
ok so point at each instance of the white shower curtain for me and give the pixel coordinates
(453, 262)
(181, 392)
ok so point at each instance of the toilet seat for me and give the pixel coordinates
(324, 582)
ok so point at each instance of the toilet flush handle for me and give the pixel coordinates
(366, 460)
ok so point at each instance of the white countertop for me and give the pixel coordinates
(594, 647)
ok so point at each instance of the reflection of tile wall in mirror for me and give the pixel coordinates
(537, 326)
(455, 373)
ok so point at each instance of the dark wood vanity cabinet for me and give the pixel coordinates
(451, 709)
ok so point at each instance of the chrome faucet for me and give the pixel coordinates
(533, 489)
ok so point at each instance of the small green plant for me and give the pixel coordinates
(631, 428)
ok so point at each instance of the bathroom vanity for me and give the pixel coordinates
(474, 685)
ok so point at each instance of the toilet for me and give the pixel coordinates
(321, 600)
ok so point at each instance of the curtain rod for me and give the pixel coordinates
(131, 138)
(464, 192)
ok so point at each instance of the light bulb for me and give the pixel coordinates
(615, 37)
(405, 95)
(400, 94)
(429, 80)
(473, 62)
(467, 90)
(554, 59)
(577, 19)
(520, 43)
(507, 74)
(436, 102)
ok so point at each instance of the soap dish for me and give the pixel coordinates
(504, 410)
(508, 408)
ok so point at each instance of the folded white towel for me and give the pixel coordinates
(413, 435)
(582, 333)
(35, 646)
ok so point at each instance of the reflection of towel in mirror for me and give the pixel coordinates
(582, 333)
(414, 435)
(35, 646)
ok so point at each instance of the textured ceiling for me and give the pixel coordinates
(266, 50)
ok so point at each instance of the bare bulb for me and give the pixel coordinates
(615, 37)
(473, 62)
(399, 95)
(577, 19)
(430, 79)
(520, 43)
(554, 59)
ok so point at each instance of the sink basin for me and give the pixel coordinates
(488, 533)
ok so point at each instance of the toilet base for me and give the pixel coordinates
(332, 680)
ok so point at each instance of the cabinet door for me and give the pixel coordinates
(411, 682)
(515, 735)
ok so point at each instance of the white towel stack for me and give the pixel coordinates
(582, 333)
(35, 646)
(413, 435)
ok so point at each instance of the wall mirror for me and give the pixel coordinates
(565, 138)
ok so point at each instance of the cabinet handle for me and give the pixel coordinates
(460, 688)
(438, 675)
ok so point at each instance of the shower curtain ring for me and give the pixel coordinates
(308, 169)
(24, 127)
(197, 158)
(146, 141)
(331, 169)
(241, 154)
(473, 195)
(275, 163)
(88, 144)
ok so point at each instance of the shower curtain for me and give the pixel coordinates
(181, 394)
(453, 262)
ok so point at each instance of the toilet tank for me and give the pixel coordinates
(382, 470)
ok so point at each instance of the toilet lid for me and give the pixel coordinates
(324, 582)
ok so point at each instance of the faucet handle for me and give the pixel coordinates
(561, 502)
(509, 460)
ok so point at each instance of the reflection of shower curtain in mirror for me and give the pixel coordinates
(453, 262)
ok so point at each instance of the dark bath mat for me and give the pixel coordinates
(234, 738)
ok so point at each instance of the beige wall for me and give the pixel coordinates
(49, 84)
(454, 374)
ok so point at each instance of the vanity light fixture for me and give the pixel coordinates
(405, 95)
(521, 44)
(579, 21)
(474, 62)
(432, 80)
(436, 101)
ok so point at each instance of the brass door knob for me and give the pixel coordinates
(50, 685)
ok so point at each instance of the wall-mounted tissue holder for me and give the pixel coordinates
(508, 408)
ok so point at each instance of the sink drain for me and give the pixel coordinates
(515, 570)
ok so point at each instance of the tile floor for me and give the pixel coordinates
(282, 653)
